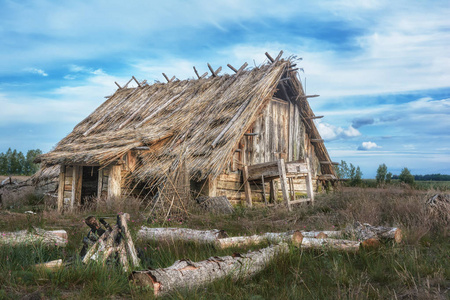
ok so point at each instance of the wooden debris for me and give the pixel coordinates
(116, 239)
(24, 237)
(187, 274)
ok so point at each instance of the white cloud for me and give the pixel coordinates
(37, 71)
(365, 146)
(330, 132)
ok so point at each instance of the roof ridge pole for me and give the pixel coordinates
(196, 73)
(242, 68)
(279, 56)
(269, 57)
(232, 68)
(212, 70)
(165, 76)
(136, 81)
(126, 85)
(118, 85)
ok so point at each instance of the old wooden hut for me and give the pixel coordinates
(249, 136)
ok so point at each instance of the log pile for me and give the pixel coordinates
(36, 235)
(102, 243)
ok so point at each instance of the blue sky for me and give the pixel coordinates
(382, 68)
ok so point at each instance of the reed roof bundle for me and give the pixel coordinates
(195, 122)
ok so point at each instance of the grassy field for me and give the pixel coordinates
(418, 268)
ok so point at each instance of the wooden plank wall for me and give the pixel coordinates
(280, 133)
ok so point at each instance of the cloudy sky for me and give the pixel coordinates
(382, 68)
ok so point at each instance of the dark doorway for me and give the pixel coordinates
(89, 186)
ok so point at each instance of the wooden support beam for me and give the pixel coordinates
(196, 73)
(242, 68)
(118, 85)
(76, 186)
(212, 71)
(99, 187)
(232, 68)
(313, 117)
(204, 75)
(165, 76)
(173, 78)
(218, 71)
(283, 183)
(248, 191)
(308, 96)
(326, 162)
(273, 192)
(309, 183)
(264, 190)
(62, 173)
(269, 57)
(316, 140)
(279, 55)
(114, 182)
(137, 82)
(126, 85)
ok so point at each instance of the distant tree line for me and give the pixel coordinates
(432, 177)
(14, 162)
(350, 173)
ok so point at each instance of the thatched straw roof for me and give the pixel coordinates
(178, 121)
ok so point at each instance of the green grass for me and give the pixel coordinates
(419, 268)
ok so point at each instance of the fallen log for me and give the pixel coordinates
(364, 231)
(271, 237)
(338, 244)
(183, 234)
(24, 237)
(187, 274)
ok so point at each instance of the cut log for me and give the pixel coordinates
(366, 231)
(345, 245)
(126, 238)
(271, 237)
(24, 237)
(51, 265)
(183, 234)
(187, 274)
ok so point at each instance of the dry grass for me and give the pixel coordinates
(418, 268)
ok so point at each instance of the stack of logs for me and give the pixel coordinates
(101, 243)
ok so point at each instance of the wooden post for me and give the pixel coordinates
(283, 183)
(264, 190)
(76, 186)
(114, 181)
(61, 188)
(273, 191)
(309, 185)
(248, 191)
(99, 186)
